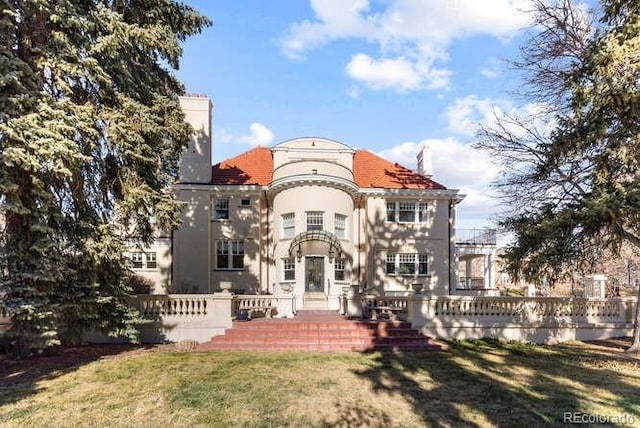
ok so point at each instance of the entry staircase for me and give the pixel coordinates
(314, 301)
(321, 331)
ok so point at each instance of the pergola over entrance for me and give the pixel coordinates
(306, 243)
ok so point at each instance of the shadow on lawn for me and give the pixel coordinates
(479, 383)
(19, 379)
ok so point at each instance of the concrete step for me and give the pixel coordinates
(336, 334)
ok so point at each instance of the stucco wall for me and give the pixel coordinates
(431, 237)
(243, 225)
(161, 274)
(191, 248)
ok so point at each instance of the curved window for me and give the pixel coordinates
(315, 220)
(341, 226)
(288, 225)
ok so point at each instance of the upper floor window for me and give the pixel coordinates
(390, 266)
(289, 269)
(423, 263)
(407, 211)
(221, 209)
(315, 220)
(341, 226)
(339, 269)
(140, 260)
(137, 260)
(288, 225)
(151, 261)
(229, 254)
(407, 263)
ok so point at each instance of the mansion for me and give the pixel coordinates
(313, 217)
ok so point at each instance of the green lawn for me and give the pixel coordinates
(473, 383)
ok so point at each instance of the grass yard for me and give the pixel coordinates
(477, 383)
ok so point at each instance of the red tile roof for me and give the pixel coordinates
(369, 170)
(252, 167)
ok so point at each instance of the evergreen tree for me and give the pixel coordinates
(574, 191)
(90, 136)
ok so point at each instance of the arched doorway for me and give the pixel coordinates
(316, 249)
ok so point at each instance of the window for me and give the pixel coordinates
(237, 254)
(229, 254)
(137, 260)
(391, 211)
(407, 212)
(338, 268)
(151, 261)
(245, 202)
(423, 212)
(221, 209)
(140, 260)
(423, 264)
(341, 226)
(391, 263)
(315, 220)
(407, 263)
(289, 269)
(288, 225)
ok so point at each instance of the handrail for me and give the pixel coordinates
(483, 236)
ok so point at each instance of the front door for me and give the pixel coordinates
(314, 275)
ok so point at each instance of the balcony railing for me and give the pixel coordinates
(476, 236)
(471, 283)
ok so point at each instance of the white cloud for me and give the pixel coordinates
(465, 115)
(411, 35)
(458, 165)
(400, 73)
(491, 69)
(454, 164)
(259, 135)
(335, 19)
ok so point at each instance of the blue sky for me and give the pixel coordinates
(386, 76)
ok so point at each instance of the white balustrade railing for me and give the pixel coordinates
(393, 303)
(536, 319)
(174, 305)
(250, 302)
(530, 308)
(282, 306)
(176, 317)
